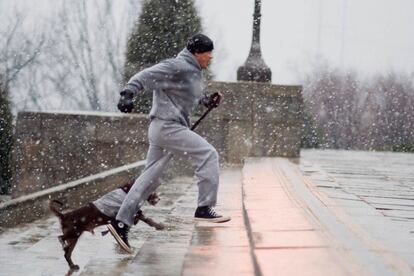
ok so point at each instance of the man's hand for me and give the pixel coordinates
(213, 100)
(126, 103)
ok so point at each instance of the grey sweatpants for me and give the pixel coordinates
(169, 138)
(110, 203)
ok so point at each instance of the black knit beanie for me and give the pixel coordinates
(199, 43)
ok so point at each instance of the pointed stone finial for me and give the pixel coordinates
(255, 69)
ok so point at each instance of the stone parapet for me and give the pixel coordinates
(56, 147)
(52, 148)
(259, 119)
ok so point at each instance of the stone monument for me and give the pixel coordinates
(255, 69)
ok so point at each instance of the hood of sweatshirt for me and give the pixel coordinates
(189, 58)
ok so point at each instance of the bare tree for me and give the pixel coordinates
(80, 65)
(377, 113)
(394, 114)
(86, 65)
(18, 49)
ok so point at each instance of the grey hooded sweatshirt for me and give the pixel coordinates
(176, 85)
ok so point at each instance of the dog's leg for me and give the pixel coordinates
(68, 252)
(61, 239)
(150, 222)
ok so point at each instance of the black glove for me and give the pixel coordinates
(212, 101)
(126, 103)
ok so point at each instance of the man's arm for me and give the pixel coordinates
(144, 80)
(135, 85)
(137, 82)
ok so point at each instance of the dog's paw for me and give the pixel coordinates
(74, 267)
(160, 227)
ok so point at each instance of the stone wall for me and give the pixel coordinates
(52, 148)
(258, 119)
(72, 194)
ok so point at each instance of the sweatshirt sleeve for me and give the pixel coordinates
(148, 78)
(138, 82)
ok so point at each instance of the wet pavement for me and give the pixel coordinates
(373, 194)
(329, 213)
(33, 249)
(287, 236)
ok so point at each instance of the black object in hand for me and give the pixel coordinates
(213, 100)
(126, 103)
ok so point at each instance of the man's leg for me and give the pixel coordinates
(144, 185)
(180, 140)
(111, 202)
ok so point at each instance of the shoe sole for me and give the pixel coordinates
(119, 240)
(216, 220)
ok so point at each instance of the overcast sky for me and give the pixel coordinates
(367, 35)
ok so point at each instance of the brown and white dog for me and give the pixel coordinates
(87, 218)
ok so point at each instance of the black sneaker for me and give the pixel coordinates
(206, 213)
(119, 230)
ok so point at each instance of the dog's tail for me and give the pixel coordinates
(52, 207)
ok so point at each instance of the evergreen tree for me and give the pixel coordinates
(161, 32)
(5, 141)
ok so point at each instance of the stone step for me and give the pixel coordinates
(222, 249)
(287, 238)
(196, 248)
